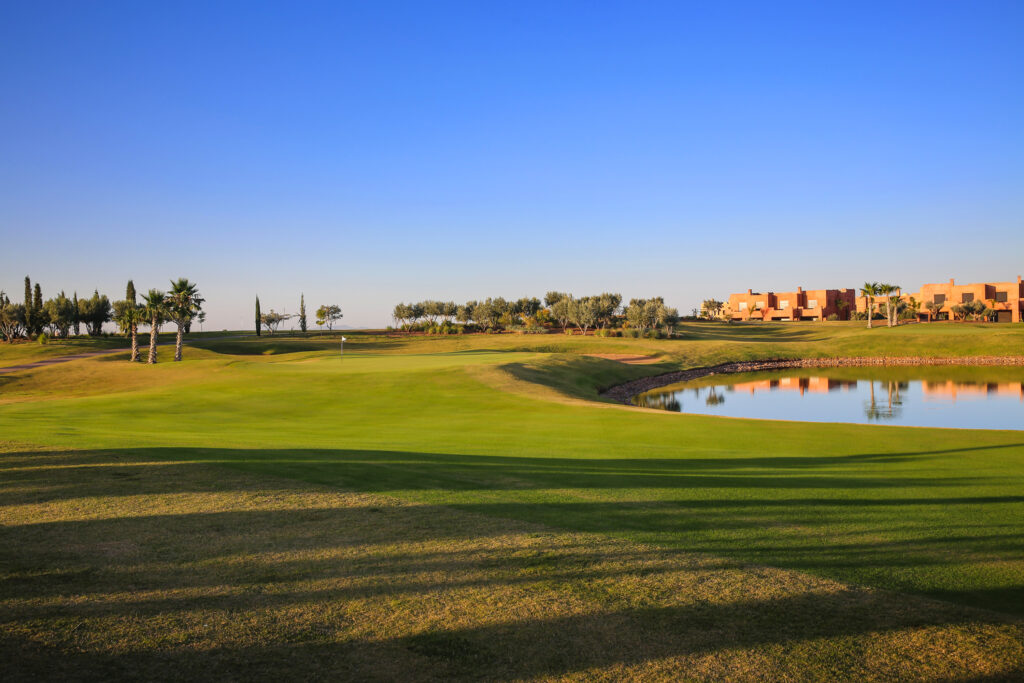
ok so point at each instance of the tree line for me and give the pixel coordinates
(327, 314)
(59, 316)
(55, 317)
(602, 312)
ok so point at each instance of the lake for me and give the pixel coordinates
(974, 397)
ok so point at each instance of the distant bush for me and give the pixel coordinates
(43, 338)
(654, 334)
(631, 332)
(833, 317)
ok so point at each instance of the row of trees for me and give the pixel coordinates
(563, 309)
(58, 316)
(181, 305)
(891, 297)
(328, 314)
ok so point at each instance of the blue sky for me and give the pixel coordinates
(372, 152)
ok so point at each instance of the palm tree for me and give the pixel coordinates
(183, 304)
(154, 307)
(128, 315)
(892, 300)
(868, 291)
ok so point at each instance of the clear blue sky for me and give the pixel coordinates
(373, 152)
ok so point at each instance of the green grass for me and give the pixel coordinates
(506, 427)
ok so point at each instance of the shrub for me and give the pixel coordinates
(631, 332)
(654, 334)
(833, 317)
(43, 338)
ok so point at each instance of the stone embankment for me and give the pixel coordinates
(624, 393)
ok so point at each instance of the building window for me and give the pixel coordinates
(1001, 297)
(966, 298)
(940, 299)
(812, 303)
(784, 304)
(743, 305)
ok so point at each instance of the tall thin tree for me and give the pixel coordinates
(259, 317)
(154, 304)
(302, 313)
(37, 309)
(77, 317)
(29, 321)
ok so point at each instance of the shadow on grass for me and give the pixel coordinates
(535, 648)
(129, 576)
(852, 523)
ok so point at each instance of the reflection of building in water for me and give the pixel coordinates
(815, 385)
(953, 390)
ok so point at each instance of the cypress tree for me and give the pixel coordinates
(302, 313)
(29, 318)
(75, 318)
(129, 292)
(258, 322)
(37, 309)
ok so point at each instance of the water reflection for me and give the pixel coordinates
(828, 398)
(890, 408)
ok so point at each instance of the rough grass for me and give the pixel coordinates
(164, 570)
(439, 466)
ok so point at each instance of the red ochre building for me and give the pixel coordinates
(814, 304)
(1006, 298)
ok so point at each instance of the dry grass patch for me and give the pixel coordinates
(173, 570)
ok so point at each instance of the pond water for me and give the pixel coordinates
(976, 397)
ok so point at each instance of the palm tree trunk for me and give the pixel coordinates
(871, 312)
(135, 342)
(154, 330)
(177, 343)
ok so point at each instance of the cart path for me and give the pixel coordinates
(60, 359)
(91, 354)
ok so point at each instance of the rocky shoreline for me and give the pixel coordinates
(624, 393)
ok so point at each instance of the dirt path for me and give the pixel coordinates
(59, 359)
(90, 354)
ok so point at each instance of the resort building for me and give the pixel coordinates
(1006, 298)
(814, 304)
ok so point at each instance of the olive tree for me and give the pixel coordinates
(584, 313)
(328, 314)
(59, 315)
(272, 320)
